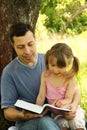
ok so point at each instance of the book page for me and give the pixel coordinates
(29, 106)
(36, 108)
(57, 108)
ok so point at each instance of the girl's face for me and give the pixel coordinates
(53, 67)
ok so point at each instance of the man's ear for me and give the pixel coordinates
(12, 44)
(13, 51)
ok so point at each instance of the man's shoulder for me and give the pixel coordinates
(10, 65)
(40, 54)
(41, 60)
(41, 57)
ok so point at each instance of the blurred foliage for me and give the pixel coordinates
(66, 16)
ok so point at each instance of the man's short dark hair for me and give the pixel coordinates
(20, 29)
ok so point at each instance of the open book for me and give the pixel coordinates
(36, 108)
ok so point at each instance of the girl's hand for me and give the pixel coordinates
(69, 115)
(72, 114)
(72, 107)
(60, 103)
(57, 103)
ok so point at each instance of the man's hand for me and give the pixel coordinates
(46, 111)
(30, 115)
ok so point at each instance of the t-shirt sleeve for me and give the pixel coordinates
(8, 90)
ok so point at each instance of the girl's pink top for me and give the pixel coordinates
(54, 93)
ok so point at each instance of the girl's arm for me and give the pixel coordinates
(76, 100)
(70, 91)
(42, 92)
(69, 94)
(73, 105)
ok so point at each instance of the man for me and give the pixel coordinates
(21, 79)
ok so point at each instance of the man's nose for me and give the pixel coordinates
(27, 50)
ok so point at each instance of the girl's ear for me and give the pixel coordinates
(69, 67)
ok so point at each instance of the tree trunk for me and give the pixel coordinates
(12, 11)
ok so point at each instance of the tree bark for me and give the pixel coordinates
(12, 11)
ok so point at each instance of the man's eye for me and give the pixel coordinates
(20, 47)
(30, 44)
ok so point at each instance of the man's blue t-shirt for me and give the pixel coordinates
(19, 81)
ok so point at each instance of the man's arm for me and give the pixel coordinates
(12, 114)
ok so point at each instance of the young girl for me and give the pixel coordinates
(58, 85)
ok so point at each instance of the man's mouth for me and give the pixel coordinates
(28, 57)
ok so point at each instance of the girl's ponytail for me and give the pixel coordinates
(75, 66)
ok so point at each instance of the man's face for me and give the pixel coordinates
(25, 48)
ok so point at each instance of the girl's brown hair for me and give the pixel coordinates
(65, 57)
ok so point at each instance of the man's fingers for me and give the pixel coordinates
(30, 115)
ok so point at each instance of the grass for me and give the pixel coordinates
(79, 46)
(81, 81)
